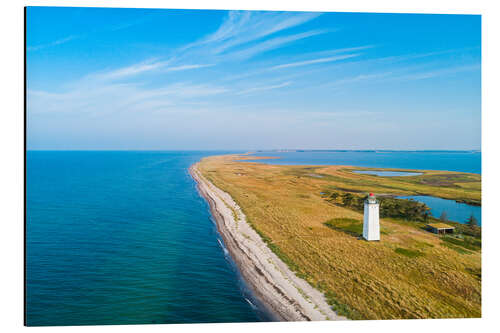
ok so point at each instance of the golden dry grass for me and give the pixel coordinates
(363, 280)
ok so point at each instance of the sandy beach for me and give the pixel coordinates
(284, 294)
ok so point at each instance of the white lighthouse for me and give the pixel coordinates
(371, 224)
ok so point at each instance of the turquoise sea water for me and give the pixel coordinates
(124, 238)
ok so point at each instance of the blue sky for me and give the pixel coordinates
(101, 78)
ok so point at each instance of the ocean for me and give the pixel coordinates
(125, 238)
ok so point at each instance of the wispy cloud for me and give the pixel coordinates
(402, 74)
(54, 43)
(131, 70)
(112, 28)
(316, 61)
(243, 35)
(395, 59)
(280, 78)
(247, 27)
(143, 68)
(361, 78)
(439, 72)
(188, 90)
(101, 97)
(263, 88)
(187, 67)
(273, 43)
(242, 27)
(350, 49)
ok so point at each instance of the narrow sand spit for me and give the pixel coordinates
(279, 289)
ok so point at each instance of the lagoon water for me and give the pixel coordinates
(463, 161)
(455, 211)
(124, 238)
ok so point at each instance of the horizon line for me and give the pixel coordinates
(272, 150)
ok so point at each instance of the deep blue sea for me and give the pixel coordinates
(124, 238)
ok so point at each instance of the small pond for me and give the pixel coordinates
(387, 173)
(456, 211)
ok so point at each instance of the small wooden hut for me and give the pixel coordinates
(440, 228)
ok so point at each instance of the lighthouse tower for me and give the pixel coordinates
(371, 224)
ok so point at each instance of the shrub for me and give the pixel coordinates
(389, 207)
(471, 221)
(444, 216)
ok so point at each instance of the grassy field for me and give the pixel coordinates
(410, 273)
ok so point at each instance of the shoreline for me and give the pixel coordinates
(285, 295)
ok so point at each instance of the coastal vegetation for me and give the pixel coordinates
(389, 206)
(311, 217)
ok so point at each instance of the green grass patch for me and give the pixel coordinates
(467, 230)
(444, 180)
(422, 245)
(352, 227)
(469, 243)
(408, 253)
(340, 308)
(456, 248)
(475, 272)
